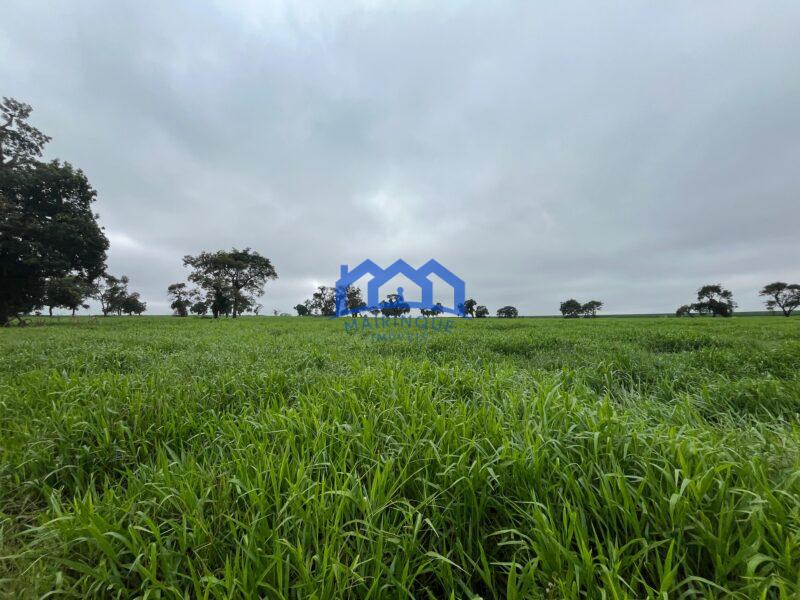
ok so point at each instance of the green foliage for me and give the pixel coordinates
(20, 142)
(199, 308)
(590, 308)
(65, 292)
(468, 308)
(782, 295)
(47, 228)
(715, 300)
(481, 312)
(182, 298)
(507, 312)
(510, 458)
(571, 308)
(231, 279)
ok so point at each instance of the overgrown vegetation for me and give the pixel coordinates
(512, 458)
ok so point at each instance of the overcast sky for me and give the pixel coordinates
(625, 152)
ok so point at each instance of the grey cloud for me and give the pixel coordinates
(539, 150)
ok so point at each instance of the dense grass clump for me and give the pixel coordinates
(286, 458)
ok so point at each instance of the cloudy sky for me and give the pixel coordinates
(627, 152)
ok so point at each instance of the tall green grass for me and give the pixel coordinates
(283, 458)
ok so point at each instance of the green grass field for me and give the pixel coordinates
(284, 458)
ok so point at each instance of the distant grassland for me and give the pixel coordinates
(282, 458)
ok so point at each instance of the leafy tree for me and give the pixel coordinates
(684, 311)
(199, 308)
(481, 312)
(47, 227)
(219, 301)
(302, 310)
(590, 308)
(507, 312)
(716, 300)
(231, 278)
(323, 301)
(433, 311)
(131, 304)
(394, 306)
(182, 298)
(571, 308)
(111, 292)
(66, 292)
(468, 308)
(355, 303)
(20, 142)
(782, 295)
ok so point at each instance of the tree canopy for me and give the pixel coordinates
(782, 295)
(231, 279)
(47, 227)
(507, 312)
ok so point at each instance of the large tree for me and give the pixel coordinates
(571, 308)
(231, 279)
(47, 227)
(65, 292)
(322, 302)
(590, 308)
(507, 312)
(782, 295)
(468, 308)
(716, 300)
(111, 291)
(355, 303)
(131, 304)
(182, 298)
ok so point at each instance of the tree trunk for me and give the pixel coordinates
(50, 308)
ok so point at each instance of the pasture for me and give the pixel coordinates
(162, 457)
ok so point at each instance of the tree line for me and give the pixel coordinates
(53, 253)
(717, 301)
(228, 282)
(52, 250)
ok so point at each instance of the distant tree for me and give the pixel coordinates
(716, 300)
(182, 298)
(394, 306)
(507, 312)
(131, 304)
(111, 292)
(302, 310)
(468, 308)
(374, 311)
(355, 303)
(47, 227)
(684, 311)
(590, 308)
(65, 292)
(782, 295)
(481, 312)
(433, 311)
(231, 279)
(199, 308)
(571, 308)
(323, 301)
